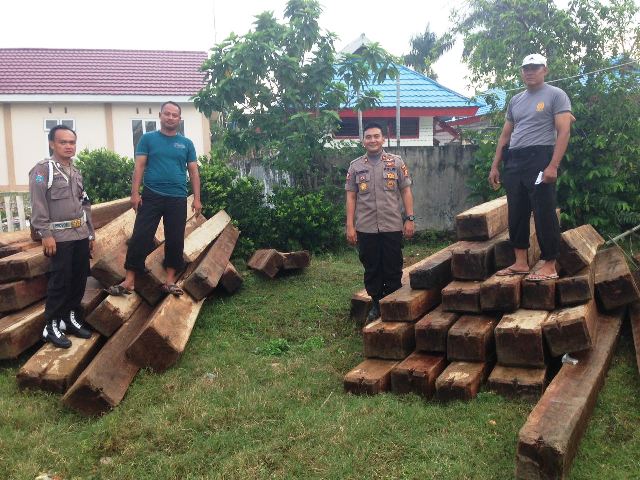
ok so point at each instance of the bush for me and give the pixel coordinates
(289, 219)
(107, 175)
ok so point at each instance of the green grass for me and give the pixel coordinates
(258, 394)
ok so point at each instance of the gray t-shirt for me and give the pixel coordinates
(533, 116)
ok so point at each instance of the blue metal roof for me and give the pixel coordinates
(419, 91)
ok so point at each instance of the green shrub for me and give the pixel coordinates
(107, 175)
(308, 221)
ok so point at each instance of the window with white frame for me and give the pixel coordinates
(49, 123)
(140, 127)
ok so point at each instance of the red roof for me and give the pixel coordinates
(100, 72)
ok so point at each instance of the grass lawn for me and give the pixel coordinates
(258, 394)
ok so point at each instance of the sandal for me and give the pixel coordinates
(536, 277)
(118, 290)
(506, 272)
(172, 288)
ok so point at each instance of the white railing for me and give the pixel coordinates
(13, 214)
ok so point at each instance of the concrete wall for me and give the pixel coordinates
(439, 183)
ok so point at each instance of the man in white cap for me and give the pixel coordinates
(532, 143)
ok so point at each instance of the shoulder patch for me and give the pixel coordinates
(39, 178)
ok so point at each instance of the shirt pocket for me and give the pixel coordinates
(363, 179)
(60, 190)
(390, 179)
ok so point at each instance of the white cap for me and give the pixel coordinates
(534, 59)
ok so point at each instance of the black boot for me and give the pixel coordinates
(52, 333)
(74, 326)
(374, 313)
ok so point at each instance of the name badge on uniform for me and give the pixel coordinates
(391, 176)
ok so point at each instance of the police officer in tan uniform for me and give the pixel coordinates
(378, 189)
(61, 217)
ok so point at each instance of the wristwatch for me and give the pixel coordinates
(411, 218)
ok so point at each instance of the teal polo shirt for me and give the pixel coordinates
(167, 158)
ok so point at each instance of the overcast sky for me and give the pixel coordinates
(198, 24)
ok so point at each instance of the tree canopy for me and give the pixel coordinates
(426, 49)
(279, 86)
(590, 47)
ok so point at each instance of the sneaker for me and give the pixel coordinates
(52, 333)
(374, 313)
(73, 325)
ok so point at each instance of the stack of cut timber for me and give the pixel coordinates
(95, 375)
(269, 262)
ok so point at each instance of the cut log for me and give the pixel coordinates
(18, 247)
(113, 312)
(578, 248)
(201, 282)
(504, 255)
(634, 316)
(407, 305)
(18, 295)
(548, 441)
(571, 329)
(434, 271)
(471, 339)
(361, 301)
(519, 341)
(518, 382)
(615, 286)
(461, 381)
(501, 294)
(474, 260)
(103, 384)
(483, 221)
(105, 212)
(576, 289)
(267, 261)
(461, 297)
(7, 238)
(296, 260)
(432, 330)
(114, 234)
(22, 265)
(149, 283)
(417, 374)
(21, 330)
(388, 340)
(93, 295)
(371, 377)
(165, 335)
(231, 280)
(56, 369)
(197, 241)
(539, 295)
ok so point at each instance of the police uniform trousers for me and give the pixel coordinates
(173, 211)
(381, 257)
(521, 169)
(67, 278)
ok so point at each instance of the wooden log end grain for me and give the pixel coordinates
(432, 330)
(518, 382)
(388, 340)
(461, 380)
(418, 374)
(371, 377)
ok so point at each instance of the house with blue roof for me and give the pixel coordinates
(425, 106)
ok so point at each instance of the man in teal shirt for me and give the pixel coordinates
(162, 160)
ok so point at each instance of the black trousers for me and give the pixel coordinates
(68, 272)
(521, 168)
(381, 257)
(173, 211)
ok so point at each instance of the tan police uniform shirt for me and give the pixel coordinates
(378, 202)
(62, 202)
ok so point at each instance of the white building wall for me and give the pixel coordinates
(4, 175)
(124, 114)
(425, 135)
(29, 136)
(30, 144)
